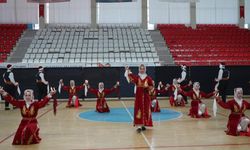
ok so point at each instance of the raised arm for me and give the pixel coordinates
(113, 89)
(189, 85)
(205, 95)
(130, 76)
(9, 98)
(78, 88)
(222, 104)
(46, 98)
(189, 93)
(92, 90)
(65, 88)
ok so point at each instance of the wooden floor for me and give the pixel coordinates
(66, 131)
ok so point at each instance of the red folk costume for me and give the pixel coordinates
(174, 93)
(101, 104)
(153, 96)
(72, 91)
(142, 108)
(28, 130)
(236, 115)
(196, 103)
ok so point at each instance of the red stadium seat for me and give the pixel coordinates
(9, 35)
(208, 44)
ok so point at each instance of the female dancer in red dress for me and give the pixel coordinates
(142, 108)
(28, 130)
(238, 123)
(175, 98)
(101, 93)
(72, 90)
(198, 109)
(153, 96)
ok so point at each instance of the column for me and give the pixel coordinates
(144, 14)
(93, 14)
(241, 13)
(193, 14)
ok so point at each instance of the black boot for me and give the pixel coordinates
(143, 128)
(139, 130)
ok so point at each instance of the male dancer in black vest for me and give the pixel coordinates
(183, 80)
(10, 85)
(222, 79)
(41, 83)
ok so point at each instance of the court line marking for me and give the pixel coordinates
(143, 135)
(6, 138)
(168, 147)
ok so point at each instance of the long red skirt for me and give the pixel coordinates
(156, 108)
(102, 106)
(27, 133)
(142, 109)
(233, 121)
(193, 112)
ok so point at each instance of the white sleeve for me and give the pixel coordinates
(42, 77)
(127, 72)
(220, 74)
(183, 76)
(11, 76)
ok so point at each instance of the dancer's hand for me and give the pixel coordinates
(16, 84)
(2, 91)
(52, 91)
(61, 81)
(216, 92)
(217, 97)
(127, 68)
(167, 86)
(190, 83)
(86, 82)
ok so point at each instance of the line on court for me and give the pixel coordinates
(143, 135)
(171, 146)
(6, 138)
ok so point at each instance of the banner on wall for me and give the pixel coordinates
(46, 1)
(114, 1)
(242, 12)
(3, 1)
(179, 1)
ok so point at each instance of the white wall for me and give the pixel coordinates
(18, 11)
(168, 12)
(126, 12)
(75, 11)
(217, 12)
(247, 11)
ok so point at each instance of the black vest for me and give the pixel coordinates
(6, 76)
(38, 78)
(226, 73)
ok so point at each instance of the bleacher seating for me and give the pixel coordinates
(208, 44)
(9, 34)
(113, 44)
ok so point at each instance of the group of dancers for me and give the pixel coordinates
(145, 100)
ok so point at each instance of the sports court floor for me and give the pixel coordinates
(84, 129)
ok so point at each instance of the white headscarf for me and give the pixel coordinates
(32, 97)
(144, 75)
(99, 88)
(236, 98)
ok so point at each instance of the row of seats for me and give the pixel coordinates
(208, 44)
(81, 44)
(9, 35)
